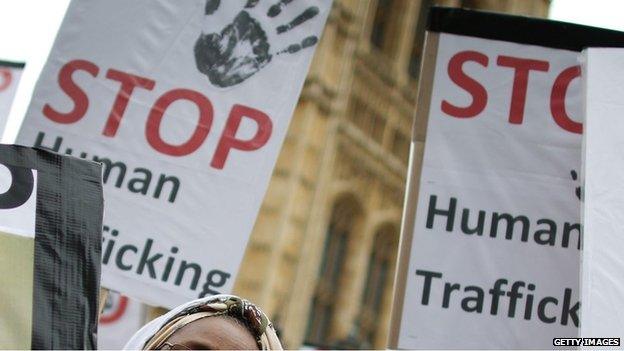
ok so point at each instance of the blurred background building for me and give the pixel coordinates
(321, 258)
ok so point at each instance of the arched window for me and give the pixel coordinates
(381, 23)
(344, 215)
(470, 4)
(378, 281)
(418, 39)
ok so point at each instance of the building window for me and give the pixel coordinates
(499, 6)
(417, 45)
(381, 23)
(379, 281)
(469, 4)
(414, 63)
(401, 146)
(366, 120)
(419, 38)
(324, 303)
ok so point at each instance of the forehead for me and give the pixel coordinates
(214, 333)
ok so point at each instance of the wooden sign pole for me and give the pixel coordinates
(103, 296)
(419, 131)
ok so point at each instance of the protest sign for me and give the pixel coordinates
(186, 104)
(120, 319)
(491, 235)
(50, 243)
(602, 281)
(10, 74)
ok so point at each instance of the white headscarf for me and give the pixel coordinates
(216, 305)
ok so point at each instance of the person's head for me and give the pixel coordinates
(218, 322)
(214, 333)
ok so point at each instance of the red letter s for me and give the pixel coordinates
(81, 101)
(478, 92)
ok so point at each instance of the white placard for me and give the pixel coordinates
(187, 103)
(10, 74)
(495, 253)
(603, 210)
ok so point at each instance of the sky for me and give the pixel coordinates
(28, 29)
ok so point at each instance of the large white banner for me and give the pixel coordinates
(10, 74)
(495, 256)
(603, 211)
(186, 103)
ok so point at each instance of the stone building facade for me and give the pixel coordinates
(321, 257)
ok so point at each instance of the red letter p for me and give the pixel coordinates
(228, 138)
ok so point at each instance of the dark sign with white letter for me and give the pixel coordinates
(50, 242)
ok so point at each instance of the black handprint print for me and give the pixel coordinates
(577, 191)
(241, 49)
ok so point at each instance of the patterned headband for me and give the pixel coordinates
(222, 305)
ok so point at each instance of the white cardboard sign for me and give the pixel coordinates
(187, 104)
(10, 74)
(603, 210)
(495, 255)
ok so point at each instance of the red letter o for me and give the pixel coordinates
(557, 100)
(152, 130)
